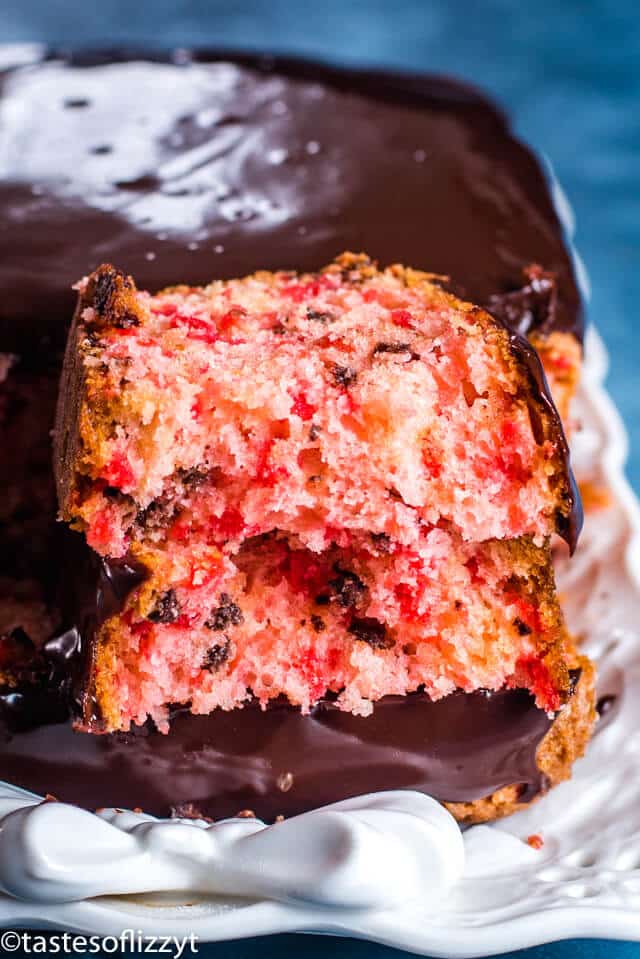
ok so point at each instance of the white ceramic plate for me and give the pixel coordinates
(584, 881)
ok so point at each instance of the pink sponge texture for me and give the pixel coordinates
(340, 483)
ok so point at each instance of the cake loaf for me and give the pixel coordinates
(338, 486)
(220, 166)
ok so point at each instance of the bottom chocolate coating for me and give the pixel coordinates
(279, 762)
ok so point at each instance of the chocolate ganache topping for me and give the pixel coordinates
(280, 762)
(221, 165)
(224, 164)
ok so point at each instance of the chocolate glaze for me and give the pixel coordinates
(220, 166)
(460, 748)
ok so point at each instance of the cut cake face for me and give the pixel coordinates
(340, 484)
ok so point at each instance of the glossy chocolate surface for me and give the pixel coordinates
(279, 762)
(186, 171)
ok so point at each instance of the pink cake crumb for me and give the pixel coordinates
(341, 484)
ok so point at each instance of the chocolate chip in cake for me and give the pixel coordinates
(395, 348)
(194, 477)
(126, 502)
(167, 608)
(107, 288)
(92, 339)
(347, 588)
(216, 656)
(391, 348)
(372, 632)
(314, 431)
(226, 614)
(157, 516)
(522, 627)
(382, 542)
(318, 623)
(320, 316)
(344, 376)
(393, 493)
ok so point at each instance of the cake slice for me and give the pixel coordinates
(339, 485)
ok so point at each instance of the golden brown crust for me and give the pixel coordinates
(66, 435)
(107, 298)
(561, 357)
(565, 742)
(111, 296)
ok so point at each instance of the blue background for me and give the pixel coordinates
(569, 74)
